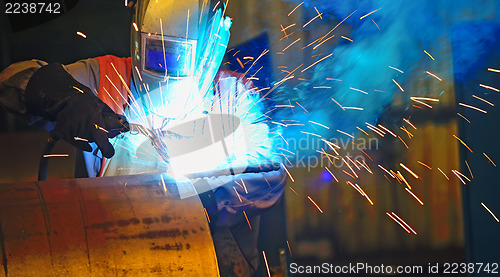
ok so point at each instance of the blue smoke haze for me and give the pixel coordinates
(407, 28)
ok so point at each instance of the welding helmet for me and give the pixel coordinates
(177, 48)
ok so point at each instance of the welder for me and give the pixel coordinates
(172, 75)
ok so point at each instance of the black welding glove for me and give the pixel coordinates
(80, 116)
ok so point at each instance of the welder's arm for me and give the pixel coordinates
(13, 81)
(52, 93)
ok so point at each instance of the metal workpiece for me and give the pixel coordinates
(110, 226)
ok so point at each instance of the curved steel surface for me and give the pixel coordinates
(111, 226)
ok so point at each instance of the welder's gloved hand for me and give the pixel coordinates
(54, 94)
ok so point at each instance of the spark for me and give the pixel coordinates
(410, 135)
(365, 195)
(396, 69)
(315, 204)
(135, 26)
(494, 70)
(125, 184)
(163, 45)
(349, 158)
(424, 99)
(331, 144)
(424, 165)
(327, 155)
(369, 13)
(443, 173)
(241, 64)
(356, 188)
(319, 15)
(100, 128)
(319, 124)
(492, 214)
(393, 218)
(463, 117)
(289, 175)
(338, 104)
(434, 75)
(283, 139)
(375, 129)
(402, 178)
(206, 214)
(488, 87)
(353, 108)
(55, 155)
(312, 134)
(322, 87)
(398, 85)
(489, 159)
(386, 171)
(301, 107)
(472, 107)
(414, 196)
(489, 103)
(248, 58)
(471, 175)
(319, 44)
(407, 121)
(365, 166)
(362, 131)
(358, 90)
(244, 186)
(337, 25)
(291, 44)
(289, 249)
(284, 29)
(346, 38)
(461, 141)
(81, 91)
(239, 197)
(460, 175)
(376, 24)
(315, 63)
(387, 130)
(313, 43)
(406, 145)
(285, 150)
(294, 191)
(429, 55)
(81, 34)
(295, 8)
(238, 184)
(348, 174)
(409, 170)
(331, 174)
(345, 133)
(163, 183)
(81, 139)
(248, 221)
(413, 231)
(422, 103)
(267, 266)
(352, 170)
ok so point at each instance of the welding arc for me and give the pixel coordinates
(196, 134)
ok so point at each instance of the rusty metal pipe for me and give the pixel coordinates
(110, 226)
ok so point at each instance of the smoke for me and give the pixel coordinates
(407, 28)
